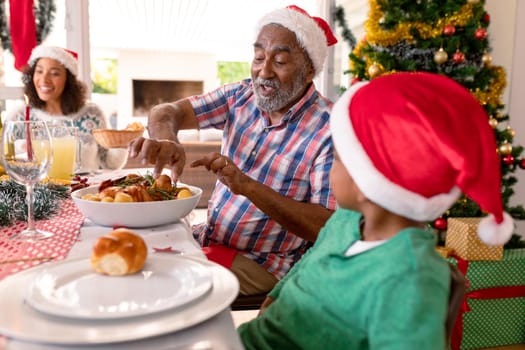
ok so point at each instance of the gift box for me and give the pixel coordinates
(493, 311)
(462, 237)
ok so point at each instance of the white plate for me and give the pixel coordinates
(20, 321)
(72, 289)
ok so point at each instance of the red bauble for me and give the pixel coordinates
(508, 159)
(480, 34)
(440, 224)
(449, 30)
(458, 57)
(486, 18)
(355, 80)
(522, 163)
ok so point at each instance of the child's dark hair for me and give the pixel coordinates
(73, 96)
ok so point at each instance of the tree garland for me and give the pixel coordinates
(347, 34)
(44, 16)
(13, 201)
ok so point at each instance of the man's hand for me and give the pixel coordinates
(227, 172)
(161, 153)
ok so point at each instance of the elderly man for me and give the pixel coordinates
(273, 194)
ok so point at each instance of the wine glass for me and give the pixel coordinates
(27, 156)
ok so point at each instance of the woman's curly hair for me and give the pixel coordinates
(73, 97)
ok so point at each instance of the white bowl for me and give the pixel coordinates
(135, 214)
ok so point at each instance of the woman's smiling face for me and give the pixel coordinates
(49, 79)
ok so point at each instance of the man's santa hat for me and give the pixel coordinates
(313, 33)
(412, 142)
(66, 57)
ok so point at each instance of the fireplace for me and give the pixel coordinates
(148, 93)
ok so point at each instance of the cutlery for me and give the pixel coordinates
(40, 258)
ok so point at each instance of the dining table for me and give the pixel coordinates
(30, 321)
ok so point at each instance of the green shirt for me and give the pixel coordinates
(393, 296)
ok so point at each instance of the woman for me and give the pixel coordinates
(55, 93)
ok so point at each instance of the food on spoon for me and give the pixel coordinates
(120, 252)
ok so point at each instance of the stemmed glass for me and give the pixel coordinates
(27, 154)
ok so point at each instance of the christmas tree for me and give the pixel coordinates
(447, 37)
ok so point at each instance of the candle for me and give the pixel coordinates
(28, 132)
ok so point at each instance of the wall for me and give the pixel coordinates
(150, 65)
(517, 94)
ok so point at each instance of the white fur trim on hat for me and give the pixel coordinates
(56, 53)
(309, 35)
(372, 182)
(492, 233)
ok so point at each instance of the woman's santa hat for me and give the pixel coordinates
(313, 33)
(66, 57)
(413, 142)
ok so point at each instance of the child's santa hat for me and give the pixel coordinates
(412, 142)
(313, 33)
(66, 57)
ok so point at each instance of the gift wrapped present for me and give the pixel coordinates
(493, 311)
(462, 237)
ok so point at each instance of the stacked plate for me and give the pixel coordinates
(68, 303)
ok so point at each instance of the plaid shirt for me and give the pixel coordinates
(293, 157)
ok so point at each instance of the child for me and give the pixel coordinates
(407, 144)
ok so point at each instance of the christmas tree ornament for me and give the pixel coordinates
(473, 2)
(449, 30)
(374, 70)
(511, 131)
(486, 18)
(486, 59)
(522, 163)
(493, 122)
(458, 57)
(440, 56)
(440, 224)
(505, 148)
(508, 159)
(480, 34)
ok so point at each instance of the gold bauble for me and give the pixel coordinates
(511, 131)
(440, 56)
(493, 122)
(486, 59)
(505, 148)
(374, 70)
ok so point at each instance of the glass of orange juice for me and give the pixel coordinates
(65, 142)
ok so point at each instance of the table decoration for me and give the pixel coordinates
(48, 196)
(65, 226)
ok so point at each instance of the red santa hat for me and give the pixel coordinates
(313, 33)
(69, 59)
(412, 142)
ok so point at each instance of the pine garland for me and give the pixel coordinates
(347, 34)
(13, 201)
(44, 11)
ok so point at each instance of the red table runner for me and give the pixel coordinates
(18, 255)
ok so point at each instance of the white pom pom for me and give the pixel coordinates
(492, 233)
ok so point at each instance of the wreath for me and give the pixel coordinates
(44, 15)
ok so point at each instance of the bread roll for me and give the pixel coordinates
(120, 252)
